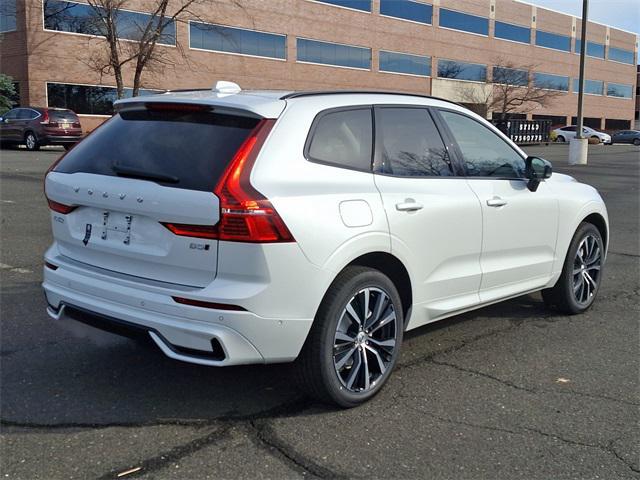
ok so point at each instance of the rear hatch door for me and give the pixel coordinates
(142, 169)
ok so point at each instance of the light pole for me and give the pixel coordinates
(578, 147)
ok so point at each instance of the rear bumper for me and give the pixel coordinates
(183, 332)
(60, 139)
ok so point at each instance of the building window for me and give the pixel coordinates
(621, 55)
(325, 53)
(73, 17)
(405, 63)
(462, 71)
(591, 122)
(515, 33)
(591, 87)
(619, 90)
(553, 40)
(407, 10)
(551, 82)
(593, 49)
(363, 5)
(615, 124)
(218, 38)
(86, 99)
(510, 76)
(7, 15)
(464, 22)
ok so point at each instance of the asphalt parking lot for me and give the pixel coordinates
(509, 391)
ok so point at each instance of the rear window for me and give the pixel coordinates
(62, 116)
(180, 149)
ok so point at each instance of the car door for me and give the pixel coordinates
(569, 132)
(519, 226)
(8, 125)
(434, 216)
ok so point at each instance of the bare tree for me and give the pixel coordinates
(132, 39)
(511, 90)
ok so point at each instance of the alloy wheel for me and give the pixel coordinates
(365, 340)
(586, 269)
(30, 141)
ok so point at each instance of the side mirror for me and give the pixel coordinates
(536, 170)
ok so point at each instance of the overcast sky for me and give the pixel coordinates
(623, 14)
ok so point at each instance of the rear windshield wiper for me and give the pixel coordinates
(136, 172)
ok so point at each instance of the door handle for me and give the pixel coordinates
(409, 205)
(496, 202)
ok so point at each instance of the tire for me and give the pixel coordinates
(574, 292)
(31, 141)
(597, 139)
(560, 138)
(636, 142)
(361, 366)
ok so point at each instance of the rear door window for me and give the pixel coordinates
(182, 149)
(409, 144)
(342, 138)
(63, 116)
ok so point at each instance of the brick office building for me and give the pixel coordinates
(428, 47)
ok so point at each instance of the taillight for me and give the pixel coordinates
(245, 214)
(45, 117)
(61, 207)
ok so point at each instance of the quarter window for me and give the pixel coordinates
(409, 144)
(219, 38)
(342, 138)
(407, 10)
(484, 153)
(553, 40)
(314, 51)
(464, 22)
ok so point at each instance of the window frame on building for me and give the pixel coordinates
(483, 80)
(8, 21)
(535, 82)
(408, 56)
(335, 65)
(631, 52)
(173, 34)
(463, 14)
(625, 85)
(590, 44)
(511, 39)
(553, 34)
(407, 2)
(284, 37)
(588, 82)
(335, 3)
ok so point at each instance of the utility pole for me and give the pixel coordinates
(579, 146)
(583, 50)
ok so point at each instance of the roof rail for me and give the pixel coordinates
(312, 93)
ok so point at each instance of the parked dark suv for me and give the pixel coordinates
(36, 127)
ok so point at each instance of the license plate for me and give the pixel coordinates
(116, 226)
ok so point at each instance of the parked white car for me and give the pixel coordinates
(565, 134)
(237, 227)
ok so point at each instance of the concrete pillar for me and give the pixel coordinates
(578, 148)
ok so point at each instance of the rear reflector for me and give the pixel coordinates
(60, 207)
(215, 306)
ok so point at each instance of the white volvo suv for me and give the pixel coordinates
(235, 227)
